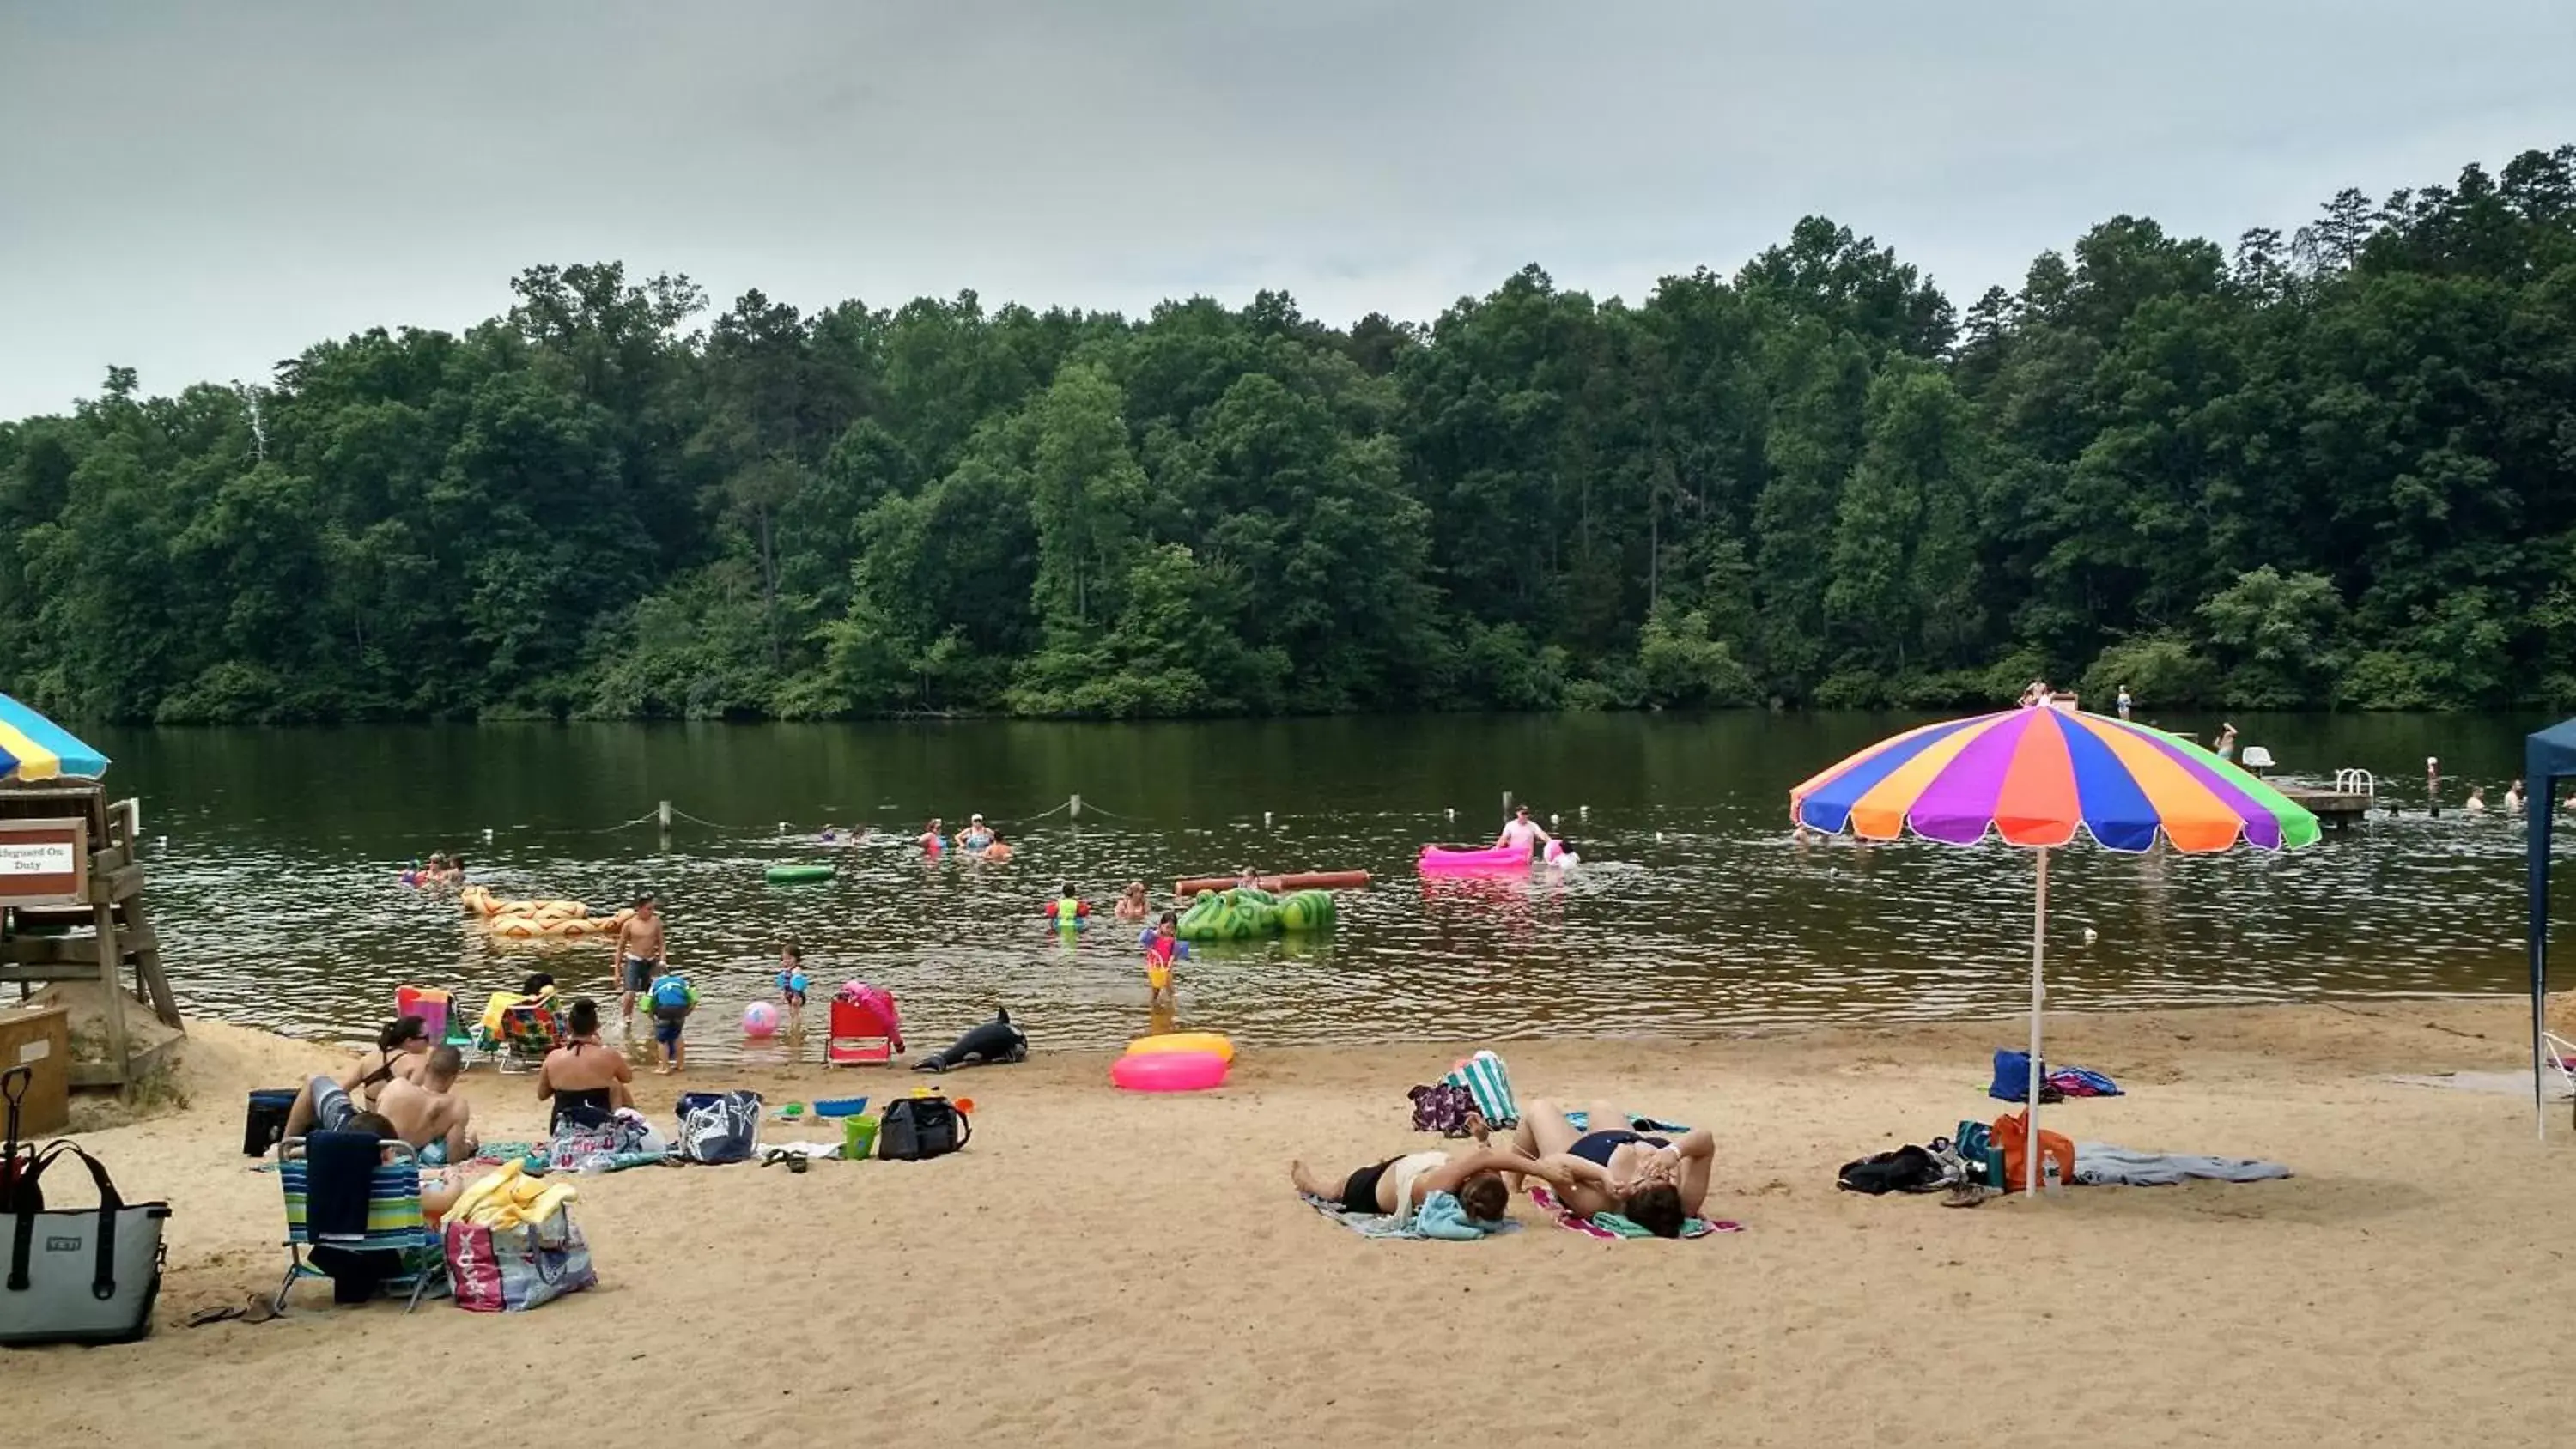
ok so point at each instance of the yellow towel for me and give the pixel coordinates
(508, 1199)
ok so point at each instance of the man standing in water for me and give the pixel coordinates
(1522, 831)
(639, 956)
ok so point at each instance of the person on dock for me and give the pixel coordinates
(640, 953)
(1523, 832)
(2124, 701)
(2225, 745)
(435, 1120)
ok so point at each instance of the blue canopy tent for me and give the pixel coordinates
(2548, 756)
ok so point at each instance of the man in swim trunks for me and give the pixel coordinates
(1655, 1182)
(430, 1116)
(1522, 831)
(1398, 1186)
(639, 953)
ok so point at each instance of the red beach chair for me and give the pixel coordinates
(867, 1030)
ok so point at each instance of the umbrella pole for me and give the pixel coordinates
(2038, 946)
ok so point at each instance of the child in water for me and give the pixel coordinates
(673, 999)
(1165, 943)
(1068, 908)
(792, 984)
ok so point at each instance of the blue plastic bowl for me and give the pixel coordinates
(842, 1107)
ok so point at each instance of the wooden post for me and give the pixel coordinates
(111, 978)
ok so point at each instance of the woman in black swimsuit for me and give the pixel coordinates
(1655, 1182)
(584, 1080)
(401, 1050)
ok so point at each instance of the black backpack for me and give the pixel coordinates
(1907, 1169)
(919, 1127)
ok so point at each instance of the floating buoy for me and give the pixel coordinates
(789, 874)
(2089, 936)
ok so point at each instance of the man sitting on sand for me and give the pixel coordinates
(428, 1114)
(1656, 1183)
(1398, 1186)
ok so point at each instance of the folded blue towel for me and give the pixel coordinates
(339, 1175)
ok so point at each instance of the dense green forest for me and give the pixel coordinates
(2334, 467)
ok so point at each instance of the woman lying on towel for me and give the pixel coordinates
(1399, 1186)
(1655, 1182)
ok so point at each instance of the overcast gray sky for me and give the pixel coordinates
(199, 190)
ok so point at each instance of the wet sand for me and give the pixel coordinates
(1099, 1268)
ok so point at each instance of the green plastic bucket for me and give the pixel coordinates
(858, 1138)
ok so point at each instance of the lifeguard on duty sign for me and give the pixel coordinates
(44, 862)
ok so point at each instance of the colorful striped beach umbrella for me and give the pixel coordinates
(2035, 776)
(33, 747)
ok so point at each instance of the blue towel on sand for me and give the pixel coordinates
(1440, 1217)
(1582, 1122)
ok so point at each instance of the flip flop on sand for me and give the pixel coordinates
(216, 1313)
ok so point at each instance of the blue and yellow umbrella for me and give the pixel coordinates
(33, 747)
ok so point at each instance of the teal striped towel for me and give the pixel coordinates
(1486, 1081)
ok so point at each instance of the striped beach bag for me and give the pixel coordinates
(1485, 1080)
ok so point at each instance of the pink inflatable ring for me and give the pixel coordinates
(1169, 1072)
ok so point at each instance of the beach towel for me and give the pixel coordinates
(1613, 1226)
(1441, 1219)
(1485, 1080)
(2099, 1164)
(339, 1175)
(1582, 1122)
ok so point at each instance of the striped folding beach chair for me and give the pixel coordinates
(1486, 1081)
(394, 1225)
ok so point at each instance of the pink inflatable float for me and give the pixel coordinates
(1169, 1072)
(1488, 857)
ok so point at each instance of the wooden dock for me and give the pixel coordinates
(2337, 808)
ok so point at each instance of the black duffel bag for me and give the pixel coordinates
(917, 1127)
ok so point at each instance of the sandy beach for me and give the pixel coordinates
(1099, 1268)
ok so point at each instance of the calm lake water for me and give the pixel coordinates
(279, 905)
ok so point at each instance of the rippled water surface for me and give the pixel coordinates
(279, 905)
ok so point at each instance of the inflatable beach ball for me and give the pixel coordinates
(760, 1019)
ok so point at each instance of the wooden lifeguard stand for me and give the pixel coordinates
(73, 886)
